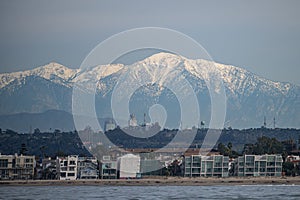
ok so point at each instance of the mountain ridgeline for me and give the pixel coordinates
(250, 98)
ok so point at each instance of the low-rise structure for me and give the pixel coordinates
(66, 167)
(208, 166)
(17, 167)
(258, 165)
(108, 168)
(129, 166)
(88, 168)
(48, 169)
(151, 167)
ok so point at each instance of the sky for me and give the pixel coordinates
(260, 36)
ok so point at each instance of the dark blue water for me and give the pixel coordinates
(151, 192)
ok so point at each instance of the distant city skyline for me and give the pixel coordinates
(262, 37)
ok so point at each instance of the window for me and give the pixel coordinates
(218, 159)
(196, 159)
(250, 159)
(71, 174)
(196, 171)
(28, 165)
(3, 163)
(71, 168)
(278, 169)
(271, 159)
(63, 174)
(196, 164)
(72, 162)
(217, 164)
(218, 170)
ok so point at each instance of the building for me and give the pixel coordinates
(129, 166)
(293, 159)
(258, 165)
(295, 170)
(207, 166)
(132, 121)
(66, 167)
(88, 168)
(108, 168)
(151, 167)
(48, 169)
(109, 125)
(17, 167)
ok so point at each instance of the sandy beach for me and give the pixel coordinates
(176, 181)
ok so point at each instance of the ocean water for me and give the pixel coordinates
(151, 192)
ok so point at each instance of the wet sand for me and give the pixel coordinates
(172, 181)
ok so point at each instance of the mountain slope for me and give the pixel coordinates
(249, 97)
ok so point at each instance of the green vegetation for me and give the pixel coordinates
(42, 144)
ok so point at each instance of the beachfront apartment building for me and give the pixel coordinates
(258, 165)
(129, 166)
(66, 167)
(13, 167)
(108, 168)
(207, 166)
(88, 168)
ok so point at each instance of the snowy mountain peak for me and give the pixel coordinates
(51, 71)
(163, 60)
(47, 71)
(250, 97)
(163, 56)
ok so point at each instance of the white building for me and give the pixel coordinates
(132, 121)
(258, 165)
(109, 125)
(208, 166)
(129, 166)
(67, 167)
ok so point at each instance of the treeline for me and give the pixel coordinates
(263, 145)
(234, 141)
(237, 138)
(42, 144)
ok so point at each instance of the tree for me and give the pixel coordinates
(60, 154)
(23, 149)
(175, 168)
(222, 148)
(57, 131)
(227, 150)
(229, 145)
(36, 131)
(265, 145)
(287, 168)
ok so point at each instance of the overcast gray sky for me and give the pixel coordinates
(261, 36)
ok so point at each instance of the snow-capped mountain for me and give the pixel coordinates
(250, 98)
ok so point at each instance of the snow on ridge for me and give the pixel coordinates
(53, 68)
(237, 80)
(96, 73)
(47, 71)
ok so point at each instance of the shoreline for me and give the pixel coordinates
(162, 181)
